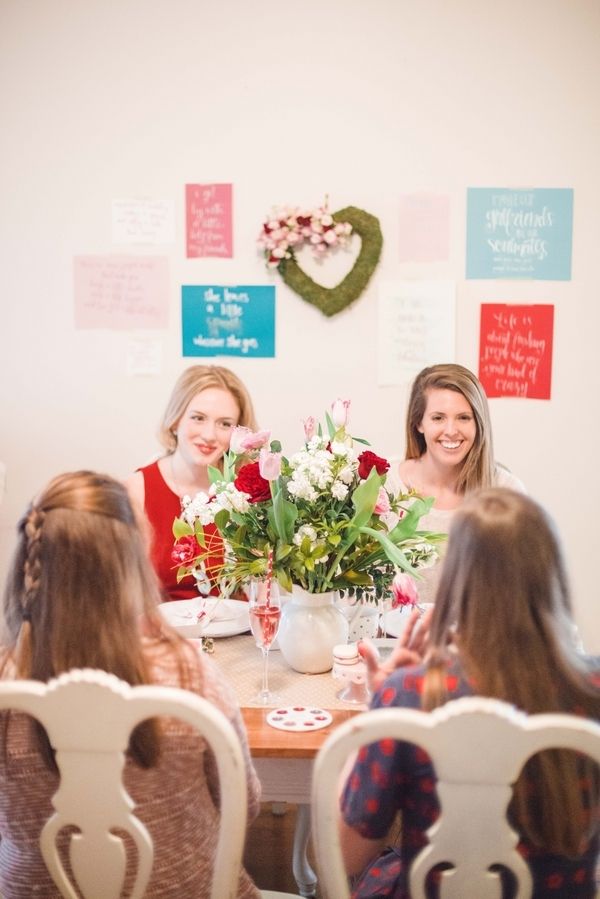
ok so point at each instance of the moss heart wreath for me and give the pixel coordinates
(331, 300)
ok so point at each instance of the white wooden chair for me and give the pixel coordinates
(478, 747)
(89, 716)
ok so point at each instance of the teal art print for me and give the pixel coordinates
(228, 321)
(523, 234)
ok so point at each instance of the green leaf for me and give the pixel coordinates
(182, 529)
(283, 517)
(357, 577)
(275, 446)
(199, 533)
(181, 573)
(409, 523)
(364, 498)
(284, 579)
(214, 474)
(334, 539)
(330, 426)
(283, 550)
(221, 519)
(393, 553)
(361, 440)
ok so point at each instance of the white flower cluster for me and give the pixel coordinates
(306, 531)
(287, 229)
(316, 469)
(421, 555)
(204, 506)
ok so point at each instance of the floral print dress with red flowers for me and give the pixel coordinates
(390, 777)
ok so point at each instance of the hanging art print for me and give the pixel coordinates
(523, 234)
(228, 321)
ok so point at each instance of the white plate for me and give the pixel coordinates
(394, 621)
(181, 614)
(299, 718)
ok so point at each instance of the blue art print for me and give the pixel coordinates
(228, 321)
(519, 233)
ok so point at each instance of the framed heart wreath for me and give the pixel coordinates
(289, 229)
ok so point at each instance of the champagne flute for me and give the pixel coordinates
(265, 612)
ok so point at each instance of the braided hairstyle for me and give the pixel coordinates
(79, 583)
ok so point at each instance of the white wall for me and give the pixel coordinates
(364, 101)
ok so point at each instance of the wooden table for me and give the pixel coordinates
(283, 760)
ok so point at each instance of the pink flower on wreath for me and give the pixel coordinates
(184, 550)
(404, 591)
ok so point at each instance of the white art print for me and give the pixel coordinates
(416, 328)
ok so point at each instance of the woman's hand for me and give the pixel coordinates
(410, 649)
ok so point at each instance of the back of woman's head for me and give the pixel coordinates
(194, 380)
(79, 581)
(503, 582)
(478, 467)
(503, 600)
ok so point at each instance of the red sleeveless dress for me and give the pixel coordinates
(162, 506)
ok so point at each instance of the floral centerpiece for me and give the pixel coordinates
(321, 519)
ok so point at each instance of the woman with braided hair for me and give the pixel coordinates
(81, 593)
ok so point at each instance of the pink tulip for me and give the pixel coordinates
(382, 506)
(339, 412)
(237, 436)
(269, 464)
(255, 440)
(309, 427)
(404, 591)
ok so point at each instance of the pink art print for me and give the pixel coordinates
(424, 225)
(121, 292)
(515, 350)
(208, 220)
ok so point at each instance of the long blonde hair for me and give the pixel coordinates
(503, 598)
(478, 467)
(79, 583)
(194, 380)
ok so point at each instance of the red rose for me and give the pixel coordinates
(367, 461)
(184, 550)
(249, 480)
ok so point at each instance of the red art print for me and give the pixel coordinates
(515, 350)
(208, 220)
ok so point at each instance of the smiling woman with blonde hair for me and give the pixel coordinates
(206, 404)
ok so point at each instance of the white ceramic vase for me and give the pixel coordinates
(311, 625)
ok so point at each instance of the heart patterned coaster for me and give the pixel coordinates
(299, 718)
(331, 300)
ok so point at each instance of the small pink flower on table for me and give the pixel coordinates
(404, 591)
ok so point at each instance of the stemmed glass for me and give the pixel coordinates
(265, 612)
